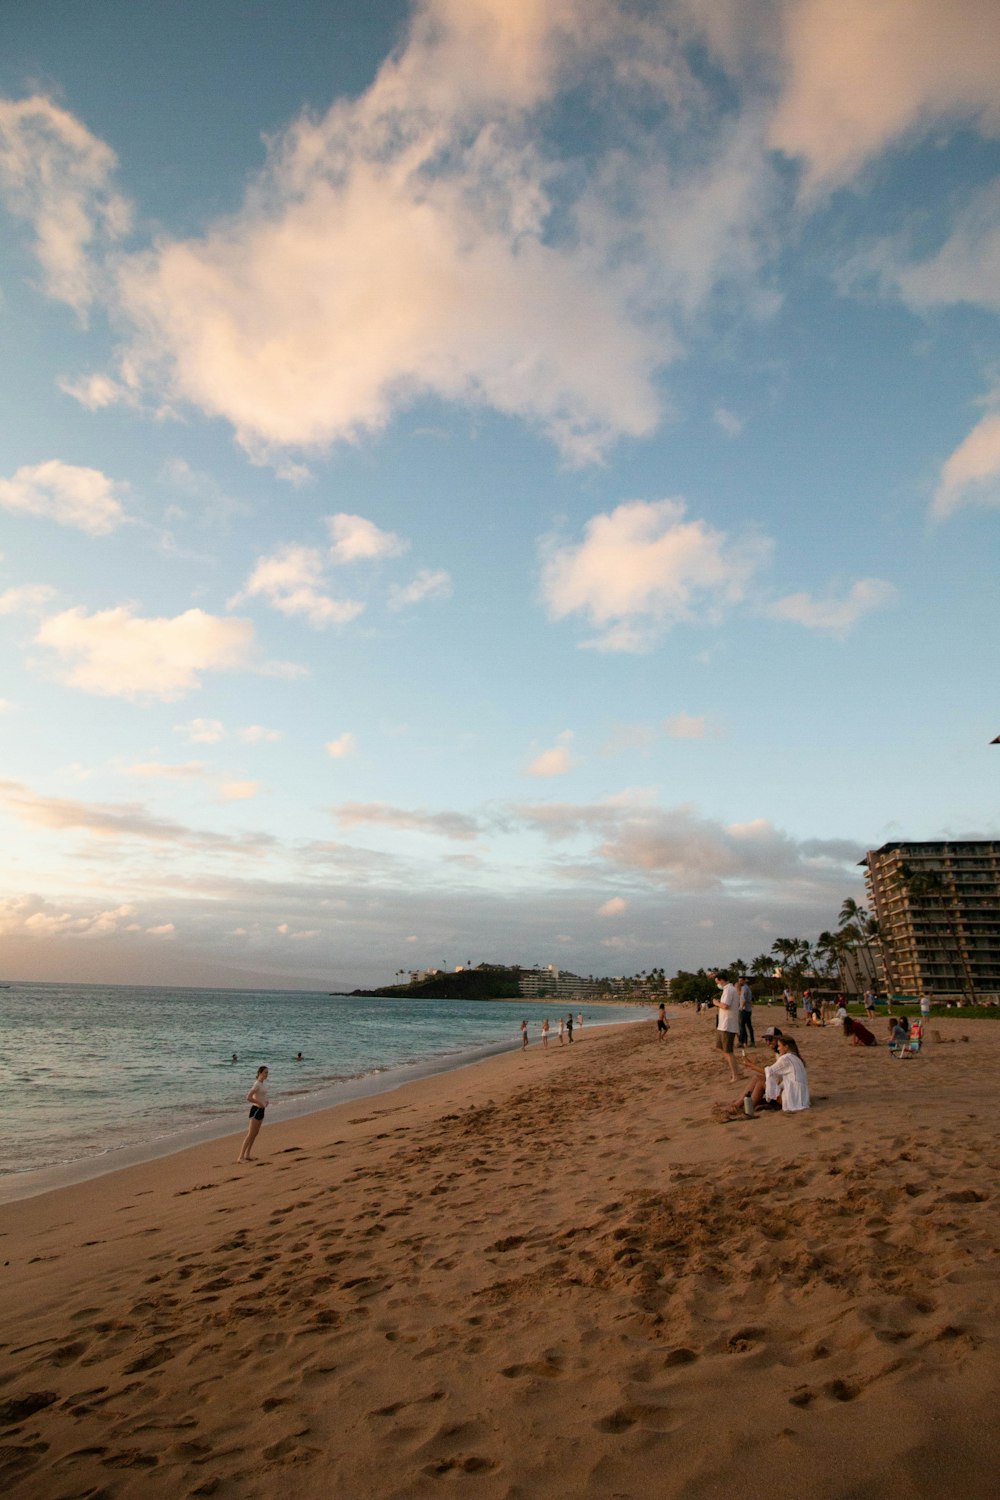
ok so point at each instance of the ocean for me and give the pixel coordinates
(104, 1075)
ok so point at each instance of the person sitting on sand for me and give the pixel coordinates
(785, 1079)
(860, 1035)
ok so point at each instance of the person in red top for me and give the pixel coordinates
(860, 1035)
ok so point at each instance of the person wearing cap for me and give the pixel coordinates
(728, 1023)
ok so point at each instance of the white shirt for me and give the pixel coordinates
(729, 1004)
(787, 1075)
(258, 1090)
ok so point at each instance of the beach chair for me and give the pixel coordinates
(902, 1050)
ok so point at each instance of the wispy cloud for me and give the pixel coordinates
(121, 821)
(26, 599)
(971, 475)
(685, 726)
(58, 177)
(832, 615)
(449, 825)
(429, 583)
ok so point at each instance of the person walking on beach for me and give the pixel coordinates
(524, 1035)
(662, 1024)
(545, 1034)
(569, 1025)
(728, 1024)
(746, 1015)
(257, 1099)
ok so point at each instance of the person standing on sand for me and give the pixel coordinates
(579, 1021)
(662, 1024)
(524, 1035)
(728, 1024)
(562, 1031)
(257, 1099)
(545, 1034)
(569, 1026)
(746, 1015)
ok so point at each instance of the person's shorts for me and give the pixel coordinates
(725, 1040)
(256, 1113)
(661, 1025)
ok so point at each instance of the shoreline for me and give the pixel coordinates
(15, 1186)
(531, 1276)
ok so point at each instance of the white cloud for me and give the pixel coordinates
(73, 496)
(836, 616)
(157, 770)
(56, 175)
(31, 917)
(966, 268)
(292, 580)
(449, 825)
(439, 235)
(862, 74)
(202, 731)
(613, 908)
(428, 584)
(355, 539)
(26, 599)
(238, 791)
(555, 761)
(644, 567)
(344, 744)
(97, 391)
(120, 654)
(165, 930)
(731, 424)
(972, 473)
(256, 734)
(685, 726)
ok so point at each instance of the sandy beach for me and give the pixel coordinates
(548, 1274)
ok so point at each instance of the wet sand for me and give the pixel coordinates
(549, 1274)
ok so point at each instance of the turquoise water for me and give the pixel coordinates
(90, 1069)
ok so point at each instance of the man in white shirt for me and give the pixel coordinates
(728, 1023)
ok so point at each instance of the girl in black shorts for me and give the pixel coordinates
(257, 1100)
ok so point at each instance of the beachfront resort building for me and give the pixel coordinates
(938, 911)
(548, 980)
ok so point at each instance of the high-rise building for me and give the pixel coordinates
(938, 911)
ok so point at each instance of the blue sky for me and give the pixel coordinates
(484, 479)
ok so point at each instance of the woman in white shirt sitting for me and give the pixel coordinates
(785, 1079)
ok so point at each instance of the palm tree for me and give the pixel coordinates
(855, 923)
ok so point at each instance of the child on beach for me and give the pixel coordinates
(662, 1024)
(524, 1035)
(257, 1099)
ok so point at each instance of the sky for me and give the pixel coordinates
(488, 480)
